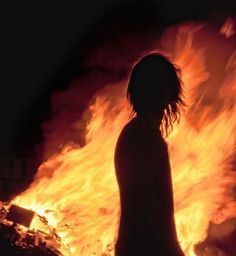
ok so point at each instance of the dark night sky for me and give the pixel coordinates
(44, 46)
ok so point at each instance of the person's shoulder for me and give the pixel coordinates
(140, 132)
(132, 124)
(132, 128)
(128, 130)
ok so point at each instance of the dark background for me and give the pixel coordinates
(45, 46)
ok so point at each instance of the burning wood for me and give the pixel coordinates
(16, 237)
(20, 215)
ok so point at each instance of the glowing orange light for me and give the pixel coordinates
(82, 192)
(228, 28)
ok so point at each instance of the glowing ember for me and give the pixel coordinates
(77, 192)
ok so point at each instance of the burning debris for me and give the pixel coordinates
(20, 215)
(18, 238)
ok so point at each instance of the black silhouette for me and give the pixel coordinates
(147, 224)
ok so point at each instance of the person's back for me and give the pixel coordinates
(147, 226)
(143, 173)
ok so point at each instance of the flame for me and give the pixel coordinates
(79, 186)
(228, 28)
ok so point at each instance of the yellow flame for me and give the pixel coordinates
(79, 184)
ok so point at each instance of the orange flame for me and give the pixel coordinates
(228, 28)
(79, 185)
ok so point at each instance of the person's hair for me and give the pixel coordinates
(155, 86)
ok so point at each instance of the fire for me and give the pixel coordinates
(228, 28)
(77, 191)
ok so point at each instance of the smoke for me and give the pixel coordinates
(108, 63)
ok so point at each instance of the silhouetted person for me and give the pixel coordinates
(147, 225)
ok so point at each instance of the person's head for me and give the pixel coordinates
(155, 88)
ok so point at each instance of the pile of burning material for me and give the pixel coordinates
(18, 238)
